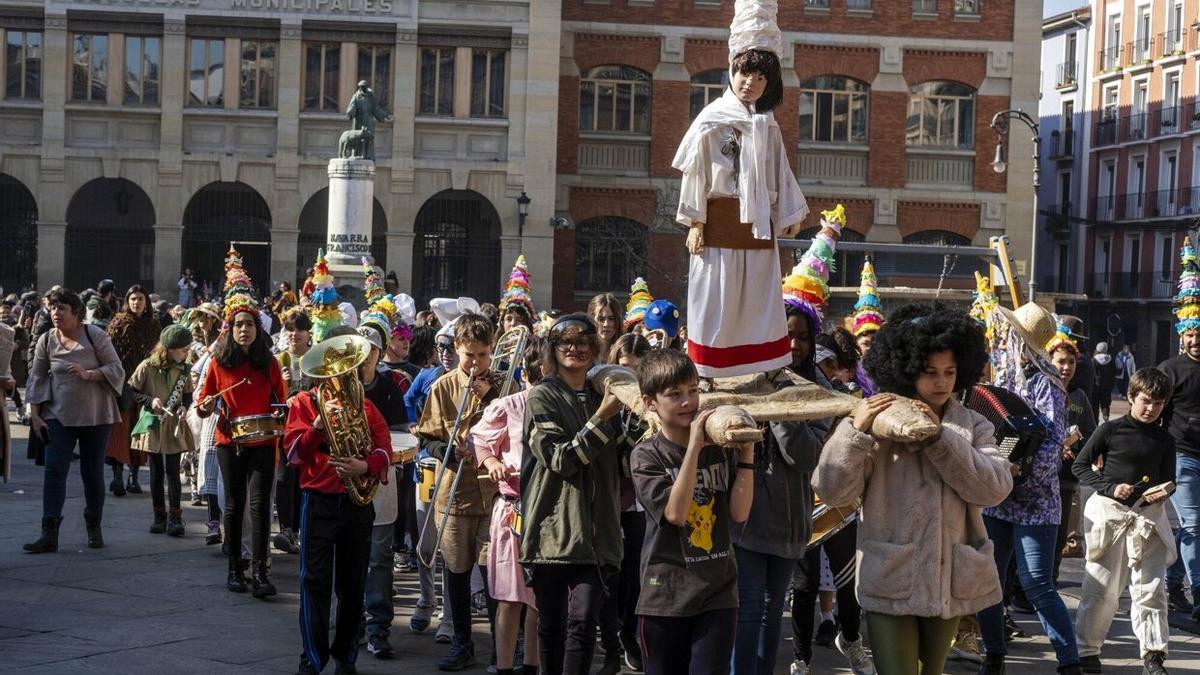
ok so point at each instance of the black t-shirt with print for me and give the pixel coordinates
(691, 569)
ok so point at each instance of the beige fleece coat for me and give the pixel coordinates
(922, 547)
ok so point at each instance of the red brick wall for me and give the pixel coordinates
(634, 204)
(702, 55)
(986, 179)
(861, 63)
(913, 217)
(921, 65)
(568, 124)
(860, 213)
(890, 17)
(886, 136)
(669, 121)
(631, 50)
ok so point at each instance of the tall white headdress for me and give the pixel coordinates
(754, 27)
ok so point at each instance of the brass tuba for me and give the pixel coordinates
(333, 365)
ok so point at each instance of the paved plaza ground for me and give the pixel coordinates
(154, 604)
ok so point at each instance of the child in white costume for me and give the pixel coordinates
(738, 194)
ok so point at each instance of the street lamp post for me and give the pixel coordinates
(522, 212)
(1000, 124)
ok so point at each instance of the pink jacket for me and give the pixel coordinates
(499, 434)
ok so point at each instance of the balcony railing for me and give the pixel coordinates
(1110, 59)
(1062, 144)
(1166, 120)
(1106, 132)
(1176, 203)
(1129, 285)
(1133, 127)
(1104, 208)
(1067, 74)
(1139, 51)
(1169, 43)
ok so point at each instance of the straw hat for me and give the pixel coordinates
(1034, 325)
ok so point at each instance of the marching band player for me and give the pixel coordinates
(335, 532)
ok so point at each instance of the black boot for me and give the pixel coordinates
(236, 583)
(993, 664)
(175, 523)
(95, 537)
(263, 588)
(1178, 600)
(134, 487)
(48, 542)
(160, 522)
(117, 486)
(1195, 604)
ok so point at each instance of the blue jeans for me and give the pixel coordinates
(380, 610)
(762, 588)
(1033, 546)
(60, 450)
(1187, 504)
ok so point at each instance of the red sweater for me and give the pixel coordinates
(303, 445)
(253, 398)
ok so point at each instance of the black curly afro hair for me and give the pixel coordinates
(913, 332)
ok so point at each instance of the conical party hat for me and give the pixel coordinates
(807, 287)
(381, 316)
(325, 299)
(1062, 337)
(239, 290)
(1187, 300)
(516, 291)
(639, 302)
(373, 285)
(754, 27)
(868, 310)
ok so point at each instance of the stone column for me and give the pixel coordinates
(172, 96)
(284, 241)
(541, 141)
(168, 259)
(351, 207)
(55, 82)
(52, 252)
(400, 255)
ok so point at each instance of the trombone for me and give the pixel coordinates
(507, 356)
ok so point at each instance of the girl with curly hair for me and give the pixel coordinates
(134, 333)
(925, 555)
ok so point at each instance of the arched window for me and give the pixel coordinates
(610, 252)
(220, 214)
(833, 109)
(614, 98)
(18, 235)
(937, 238)
(954, 266)
(708, 87)
(941, 114)
(457, 249)
(110, 219)
(314, 225)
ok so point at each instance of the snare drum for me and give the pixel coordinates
(426, 473)
(254, 429)
(829, 520)
(404, 447)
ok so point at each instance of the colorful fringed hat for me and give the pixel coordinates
(325, 300)
(807, 288)
(1062, 338)
(1187, 300)
(373, 285)
(639, 302)
(239, 292)
(868, 310)
(516, 291)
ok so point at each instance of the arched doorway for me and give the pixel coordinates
(314, 220)
(221, 213)
(457, 248)
(110, 235)
(18, 235)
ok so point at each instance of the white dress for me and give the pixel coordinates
(736, 323)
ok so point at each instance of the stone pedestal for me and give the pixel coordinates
(351, 208)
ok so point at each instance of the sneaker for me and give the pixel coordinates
(826, 633)
(420, 619)
(800, 668)
(197, 499)
(1178, 599)
(612, 663)
(860, 663)
(1154, 664)
(214, 533)
(479, 604)
(1011, 630)
(462, 655)
(285, 542)
(305, 668)
(445, 634)
(380, 648)
(633, 653)
(993, 664)
(966, 647)
(1020, 603)
(1090, 664)
(1073, 549)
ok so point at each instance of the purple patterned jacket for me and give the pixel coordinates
(1036, 500)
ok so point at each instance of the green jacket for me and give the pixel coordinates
(570, 501)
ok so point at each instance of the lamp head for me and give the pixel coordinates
(998, 164)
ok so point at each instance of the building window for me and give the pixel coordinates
(967, 7)
(23, 64)
(375, 66)
(437, 81)
(941, 114)
(858, 4)
(614, 98)
(708, 87)
(322, 65)
(89, 68)
(206, 73)
(610, 252)
(142, 61)
(817, 4)
(833, 110)
(487, 82)
(925, 7)
(258, 74)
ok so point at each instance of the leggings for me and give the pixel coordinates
(910, 645)
(689, 645)
(406, 513)
(168, 464)
(569, 599)
(287, 496)
(840, 549)
(252, 468)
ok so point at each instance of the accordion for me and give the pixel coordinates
(1019, 430)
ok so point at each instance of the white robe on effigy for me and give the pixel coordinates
(735, 315)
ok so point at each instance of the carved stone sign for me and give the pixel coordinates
(338, 7)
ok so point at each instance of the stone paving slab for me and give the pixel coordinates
(155, 604)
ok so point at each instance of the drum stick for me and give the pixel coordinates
(488, 476)
(207, 399)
